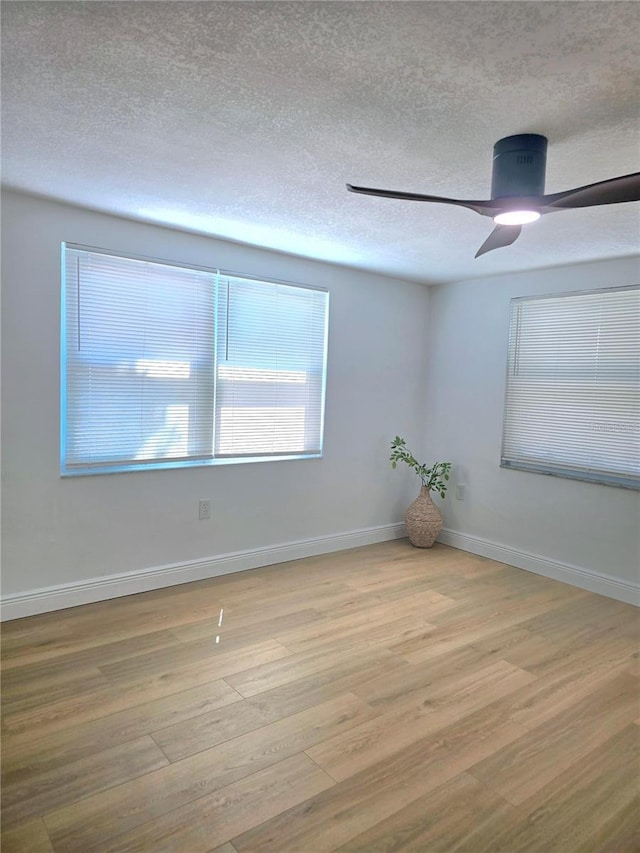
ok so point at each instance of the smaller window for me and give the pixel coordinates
(572, 404)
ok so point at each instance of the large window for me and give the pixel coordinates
(573, 386)
(164, 365)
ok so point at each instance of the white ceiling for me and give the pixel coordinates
(245, 120)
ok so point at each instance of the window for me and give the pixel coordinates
(165, 365)
(573, 386)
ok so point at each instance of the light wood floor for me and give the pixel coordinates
(385, 698)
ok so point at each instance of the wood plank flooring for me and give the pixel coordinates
(381, 699)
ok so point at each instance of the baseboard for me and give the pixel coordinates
(574, 575)
(46, 599)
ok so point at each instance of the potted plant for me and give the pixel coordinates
(422, 519)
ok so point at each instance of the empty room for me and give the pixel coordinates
(320, 426)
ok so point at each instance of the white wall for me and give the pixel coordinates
(592, 528)
(65, 531)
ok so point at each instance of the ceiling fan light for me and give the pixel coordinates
(516, 217)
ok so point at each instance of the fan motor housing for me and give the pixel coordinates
(519, 165)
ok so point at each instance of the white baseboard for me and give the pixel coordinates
(584, 578)
(17, 605)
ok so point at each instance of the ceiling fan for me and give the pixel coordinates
(517, 187)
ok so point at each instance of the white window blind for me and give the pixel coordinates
(572, 403)
(165, 365)
(270, 368)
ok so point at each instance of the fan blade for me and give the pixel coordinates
(613, 191)
(484, 208)
(502, 235)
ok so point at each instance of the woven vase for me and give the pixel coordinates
(423, 520)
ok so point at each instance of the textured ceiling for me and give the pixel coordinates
(246, 119)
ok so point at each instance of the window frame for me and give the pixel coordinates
(196, 462)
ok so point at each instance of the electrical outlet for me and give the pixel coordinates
(204, 510)
(459, 492)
